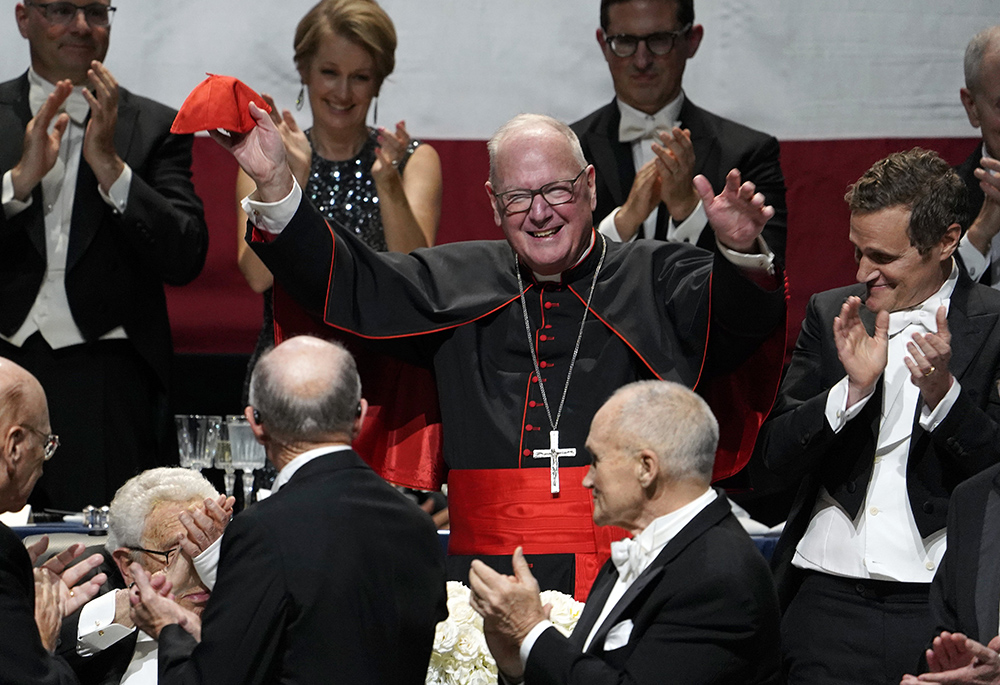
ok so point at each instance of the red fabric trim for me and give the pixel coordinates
(495, 510)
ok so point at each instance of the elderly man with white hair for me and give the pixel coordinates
(145, 528)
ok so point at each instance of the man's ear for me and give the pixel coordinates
(493, 203)
(360, 419)
(123, 560)
(949, 241)
(21, 15)
(693, 40)
(969, 102)
(648, 468)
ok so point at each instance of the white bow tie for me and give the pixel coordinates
(636, 126)
(926, 316)
(628, 557)
(75, 105)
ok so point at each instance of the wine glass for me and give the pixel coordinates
(197, 436)
(223, 457)
(247, 453)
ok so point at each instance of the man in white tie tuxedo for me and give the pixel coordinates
(688, 599)
(98, 213)
(889, 402)
(651, 141)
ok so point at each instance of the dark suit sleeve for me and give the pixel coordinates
(23, 659)
(164, 221)
(244, 620)
(706, 632)
(797, 435)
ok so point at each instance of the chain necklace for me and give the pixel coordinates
(554, 452)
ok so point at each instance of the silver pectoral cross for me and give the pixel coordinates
(552, 454)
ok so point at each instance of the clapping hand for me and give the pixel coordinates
(928, 361)
(955, 659)
(153, 607)
(864, 356)
(60, 591)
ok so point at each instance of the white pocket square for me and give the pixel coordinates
(618, 635)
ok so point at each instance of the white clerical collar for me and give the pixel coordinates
(289, 469)
(636, 125)
(39, 90)
(558, 277)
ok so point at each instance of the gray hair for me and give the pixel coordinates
(135, 500)
(671, 421)
(306, 395)
(974, 53)
(527, 121)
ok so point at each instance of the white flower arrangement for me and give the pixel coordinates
(460, 655)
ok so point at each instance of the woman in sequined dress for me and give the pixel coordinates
(381, 184)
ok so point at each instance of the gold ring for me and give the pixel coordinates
(72, 593)
(932, 370)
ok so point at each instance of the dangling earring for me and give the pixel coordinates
(375, 115)
(301, 99)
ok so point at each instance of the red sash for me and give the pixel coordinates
(495, 510)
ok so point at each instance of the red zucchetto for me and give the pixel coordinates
(218, 102)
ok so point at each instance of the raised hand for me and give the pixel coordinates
(41, 147)
(205, 524)
(153, 607)
(297, 145)
(955, 659)
(864, 356)
(987, 223)
(60, 591)
(676, 167)
(261, 154)
(928, 361)
(99, 140)
(737, 214)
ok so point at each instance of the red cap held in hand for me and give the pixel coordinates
(218, 102)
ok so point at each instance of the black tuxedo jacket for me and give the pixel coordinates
(336, 578)
(705, 611)
(117, 263)
(108, 666)
(719, 146)
(797, 441)
(965, 595)
(23, 659)
(974, 193)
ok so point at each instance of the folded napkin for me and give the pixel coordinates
(218, 102)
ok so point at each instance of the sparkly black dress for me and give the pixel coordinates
(344, 192)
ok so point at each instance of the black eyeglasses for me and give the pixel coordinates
(661, 43)
(64, 13)
(51, 440)
(168, 555)
(556, 193)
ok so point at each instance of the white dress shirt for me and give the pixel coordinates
(689, 230)
(50, 314)
(651, 541)
(883, 541)
(975, 261)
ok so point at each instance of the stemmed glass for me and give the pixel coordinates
(197, 437)
(247, 453)
(224, 456)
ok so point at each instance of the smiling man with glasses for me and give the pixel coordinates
(650, 141)
(99, 212)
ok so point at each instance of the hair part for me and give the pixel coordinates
(673, 422)
(524, 122)
(685, 11)
(309, 397)
(975, 51)
(919, 180)
(361, 21)
(140, 495)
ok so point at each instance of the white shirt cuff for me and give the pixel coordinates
(97, 630)
(608, 229)
(117, 195)
(531, 638)
(930, 420)
(206, 564)
(689, 230)
(11, 205)
(273, 216)
(837, 411)
(975, 261)
(763, 259)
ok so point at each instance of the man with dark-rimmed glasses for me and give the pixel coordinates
(98, 213)
(651, 141)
